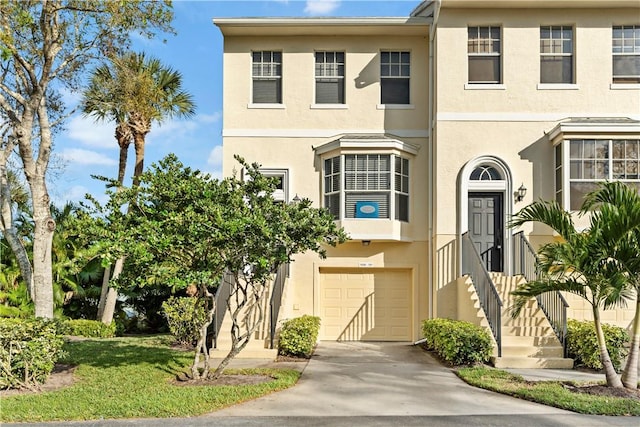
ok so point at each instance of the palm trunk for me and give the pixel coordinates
(630, 372)
(138, 141)
(609, 371)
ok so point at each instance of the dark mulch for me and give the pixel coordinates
(225, 379)
(601, 390)
(283, 358)
(60, 377)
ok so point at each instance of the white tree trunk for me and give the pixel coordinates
(111, 297)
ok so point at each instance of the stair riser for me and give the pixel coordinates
(526, 351)
(532, 363)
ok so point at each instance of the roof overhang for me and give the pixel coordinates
(595, 127)
(368, 142)
(401, 26)
(529, 4)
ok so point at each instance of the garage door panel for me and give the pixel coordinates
(372, 306)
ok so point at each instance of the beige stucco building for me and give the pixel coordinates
(419, 131)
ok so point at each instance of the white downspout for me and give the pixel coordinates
(430, 151)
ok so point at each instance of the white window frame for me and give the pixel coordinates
(391, 191)
(563, 192)
(401, 75)
(490, 53)
(552, 54)
(269, 75)
(279, 195)
(633, 50)
(330, 71)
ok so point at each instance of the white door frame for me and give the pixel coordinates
(504, 186)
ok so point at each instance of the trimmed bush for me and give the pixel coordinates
(29, 349)
(89, 328)
(298, 336)
(457, 342)
(582, 344)
(185, 316)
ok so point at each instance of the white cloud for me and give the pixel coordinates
(93, 134)
(86, 157)
(209, 118)
(321, 7)
(215, 157)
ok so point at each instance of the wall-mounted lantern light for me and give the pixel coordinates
(522, 191)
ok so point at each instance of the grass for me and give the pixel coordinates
(130, 378)
(551, 393)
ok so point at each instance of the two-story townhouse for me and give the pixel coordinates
(425, 132)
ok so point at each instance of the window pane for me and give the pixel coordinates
(267, 91)
(394, 91)
(575, 168)
(578, 191)
(556, 69)
(484, 69)
(626, 68)
(382, 199)
(402, 207)
(330, 91)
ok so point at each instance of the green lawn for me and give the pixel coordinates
(551, 393)
(130, 378)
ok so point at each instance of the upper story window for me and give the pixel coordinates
(395, 74)
(626, 54)
(369, 185)
(556, 54)
(329, 73)
(596, 160)
(484, 47)
(266, 72)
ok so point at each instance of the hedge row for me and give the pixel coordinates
(88, 328)
(582, 344)
(457, 342)
(29, 349)
(185, 316)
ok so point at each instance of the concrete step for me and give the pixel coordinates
(532, 362)
(246, 353)
(527, 331)
(531, 351)
(547, 340)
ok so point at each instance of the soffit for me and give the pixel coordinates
(415, 26)
(367, 142)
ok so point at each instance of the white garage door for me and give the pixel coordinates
(365, 305)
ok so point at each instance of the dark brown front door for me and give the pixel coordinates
(486, 228)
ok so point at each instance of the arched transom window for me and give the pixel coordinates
(485, 173)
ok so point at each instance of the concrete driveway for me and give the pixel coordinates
(378, 379)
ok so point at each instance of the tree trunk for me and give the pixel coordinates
(112, 295)
(201, 346)
(106, 275)
(609, 371)
(630, 372)
(138, 141)
(6, 222)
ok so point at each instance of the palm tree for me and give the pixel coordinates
(135, 91)
(101, 100)
(620, 205)
(152, 92)
(580, 265)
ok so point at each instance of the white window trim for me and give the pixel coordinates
(485, 86)
(279, 172)
(329, 106)
(557, 86)
(572, 55)
(266, 106)
(624, 86)
(487, 54)
(408, 106)
(395, 107)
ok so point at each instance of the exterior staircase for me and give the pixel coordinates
(258, 346)
(528, 341)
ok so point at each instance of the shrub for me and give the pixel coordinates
(89, 328)
(298, 336)
(457, 342)
(582, 344)
(29, 349)
(185, 316)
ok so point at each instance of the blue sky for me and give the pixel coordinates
(88, 148)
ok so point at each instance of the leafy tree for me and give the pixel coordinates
(580, 265)
(45, 46)
(618, 205)
(186, 229)
(134, 91)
